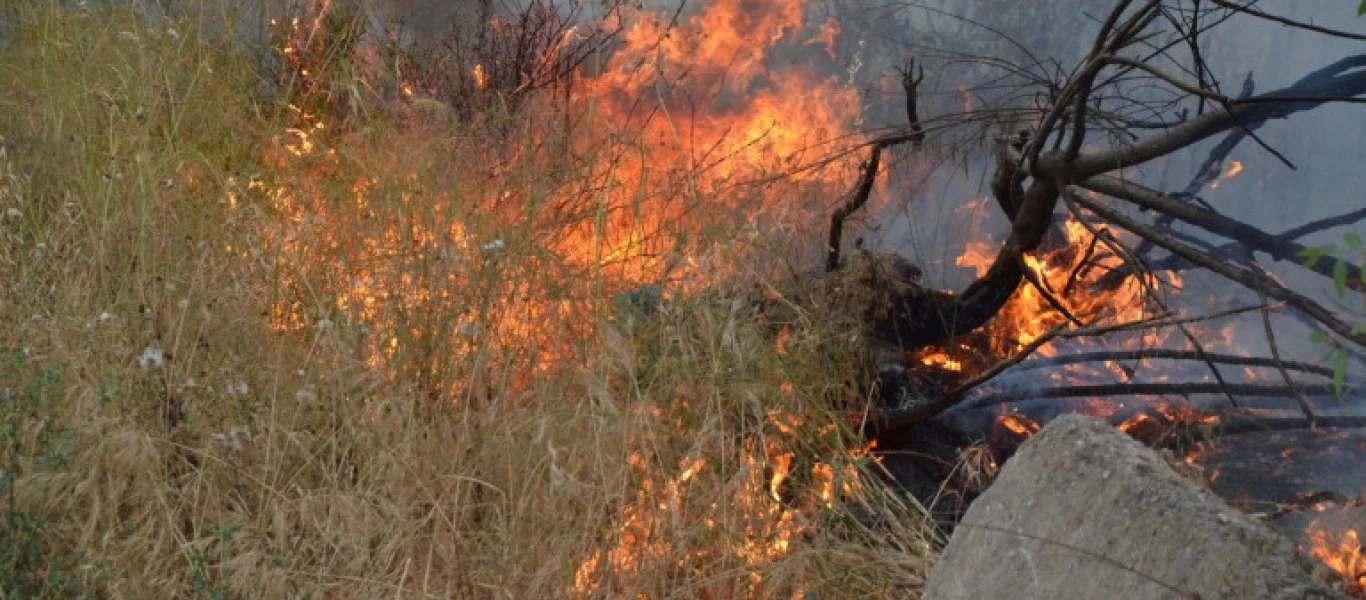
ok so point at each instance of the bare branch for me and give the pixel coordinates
(1253, 281)
(1256, 239)
(1335, 82)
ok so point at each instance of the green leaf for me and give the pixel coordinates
(1340, 370)
(1340, 278)
(1311, 256)
(1353, 240)
(1359, 329)
(1361, 10)
(1318, 337)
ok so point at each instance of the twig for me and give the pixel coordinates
(1280, 367)
(1247, 9)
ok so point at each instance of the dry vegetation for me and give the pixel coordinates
(197, 402)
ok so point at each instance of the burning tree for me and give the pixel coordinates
(1054, 155)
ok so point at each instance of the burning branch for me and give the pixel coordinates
(1036, 168)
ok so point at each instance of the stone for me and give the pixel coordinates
(1082, 511)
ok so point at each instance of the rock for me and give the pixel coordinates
(1083, 511)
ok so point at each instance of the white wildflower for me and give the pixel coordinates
(13, 213)
(104, 316)
(152, 358)
(494, 246)
(175, 35)
(239, 437)
(238, 389)
(306, 396)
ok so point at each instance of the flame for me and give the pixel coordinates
(941, 359)
(667, 137)
(682, 112)
(481, 78)
(1067, 273)
(1231, 169)
(828, 32)
(1340, 551)
(968, 102)
(1017, 424)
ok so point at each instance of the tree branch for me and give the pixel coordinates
(1256, 239)
(1253, 281)
(1334, 82)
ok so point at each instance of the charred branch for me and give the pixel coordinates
(1187, 389)
(1167, 354)
(910, 80)
(1247, 235)
(1337, 82)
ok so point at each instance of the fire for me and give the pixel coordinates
(1340, 551)
(666, 138)
(481, 78)
(968, 101)
(1231, 170)
(684, 112)
(1066, 273)
(941, 359)
(754, 528)
(1018, 424)
(828, 32)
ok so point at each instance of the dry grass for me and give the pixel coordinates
(230, 414)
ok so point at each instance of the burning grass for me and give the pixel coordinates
(272, 355)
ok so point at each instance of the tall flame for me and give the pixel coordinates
(665, 138)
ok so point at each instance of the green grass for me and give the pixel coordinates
(360, 394)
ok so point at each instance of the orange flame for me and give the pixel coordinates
(1340, 551)
(1231, 170)
(481, 78)
(829, 31)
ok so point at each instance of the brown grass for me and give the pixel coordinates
(278, 449)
